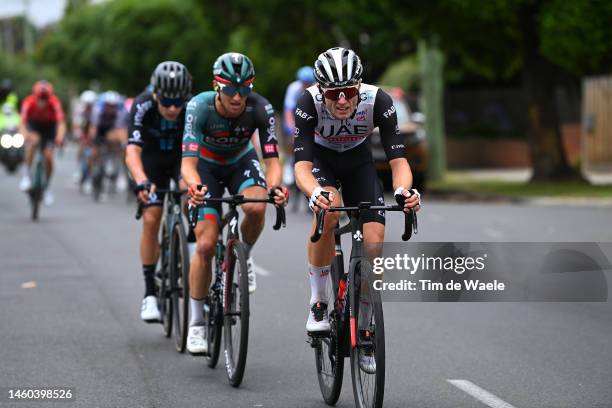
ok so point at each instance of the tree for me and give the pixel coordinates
(120, 42)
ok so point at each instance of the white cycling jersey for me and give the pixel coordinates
(342, 135)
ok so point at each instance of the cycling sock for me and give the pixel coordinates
(197, 312)
(149, 276)
(247, 248)
(192, 249)
(318, 282)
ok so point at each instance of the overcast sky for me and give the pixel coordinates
(42, 12)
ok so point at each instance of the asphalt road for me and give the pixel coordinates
(71, 285)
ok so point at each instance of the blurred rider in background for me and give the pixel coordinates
(304, 79)
(43, 125)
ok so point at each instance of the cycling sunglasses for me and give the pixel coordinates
(232, 90)
(335, 93)
(168, 102)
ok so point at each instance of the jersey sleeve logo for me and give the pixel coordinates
(270, 148)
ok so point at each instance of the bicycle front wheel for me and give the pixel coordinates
(164, 296)
(368, 357)
(179, 272)
(215, 327)
(236, 313)
(329, 355)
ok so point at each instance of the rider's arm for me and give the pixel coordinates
(289, 109)
(266, 125)
(59, 119)
(303, 143)
(61, 132)
(192, 138)
(25, 112)
(385, 117)
(136, 133)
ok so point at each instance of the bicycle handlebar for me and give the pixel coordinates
(410, 217)
(159, 190)
(238, 199)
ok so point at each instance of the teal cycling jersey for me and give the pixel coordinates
(220, 140)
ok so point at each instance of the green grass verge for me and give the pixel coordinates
(520, 189)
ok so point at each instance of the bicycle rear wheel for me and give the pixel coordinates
(236, 313)
(179, 272)
(329, 357)
(368, 358)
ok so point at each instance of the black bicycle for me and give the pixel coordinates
(227, 309)
(356, 319)
(172, 279)
(39, 181)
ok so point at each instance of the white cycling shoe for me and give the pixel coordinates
(367, 363)
(25, 183)
(48, 198)
(252, 277)
(149, 312)
(197, 344)
(318, 320)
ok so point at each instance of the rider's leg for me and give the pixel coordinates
(254, 216)
(322, 252)
(206, 232)
(48, 155)
(32, 142)
(149, 245)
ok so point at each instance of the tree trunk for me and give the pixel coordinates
(548, 156)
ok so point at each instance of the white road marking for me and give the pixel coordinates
(28, 285)
(260, 270)
(480, 394)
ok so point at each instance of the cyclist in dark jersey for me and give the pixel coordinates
(153, 157)
(217, 152)
(333, 120)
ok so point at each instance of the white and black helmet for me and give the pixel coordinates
(171, 79)
(338, 67)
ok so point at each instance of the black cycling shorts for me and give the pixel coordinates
(235, 177)
(159, 171)
(47, 132)
(353, 174)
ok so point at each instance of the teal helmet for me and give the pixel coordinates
(234, 68)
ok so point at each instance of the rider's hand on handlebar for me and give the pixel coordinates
(281, 196)
(318, 201)
(143, 189)
(412, 198)
(196, 196)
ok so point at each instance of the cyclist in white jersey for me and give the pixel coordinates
(333, 120)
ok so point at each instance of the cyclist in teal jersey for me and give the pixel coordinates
(218, 153)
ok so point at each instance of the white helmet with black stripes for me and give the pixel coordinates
(338, 67)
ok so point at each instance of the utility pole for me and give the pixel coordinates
(432, 67)
(27, 32)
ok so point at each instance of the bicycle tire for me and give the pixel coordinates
(329, 358)
(35, 197)
(215, 330)
(164, 297)
(38, 185)
(179, 264)
(236, 295)
(368, 391)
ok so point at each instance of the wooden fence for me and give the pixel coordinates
(597, 124)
